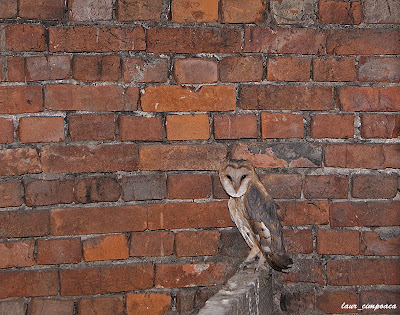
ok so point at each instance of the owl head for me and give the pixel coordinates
(235, 176)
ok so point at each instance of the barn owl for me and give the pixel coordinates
(255, 214)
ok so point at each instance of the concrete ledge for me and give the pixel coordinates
(247, 292)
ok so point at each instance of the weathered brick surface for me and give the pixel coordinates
(330, 302)
(8, 9)
(133, 10)
(21, 99)
(233, 11)
(95, 68)
(374, 186)
(305, 270)
(21, 37)
(19, 161)
(204, 243)
(16, 254)
(15, 69)
(53, 306)
(39, 192)
(380, 243)
(143, 187)
(105, 248)
(277, 125)
(24, 223)
(379, 11)
(59, 251)
(340, 126)
(287, 186)
(91, 127)
(184, 11)
(133, 128)
(42, 9)
(100, 305)
(11, 194)
(181, 186)
(334, 69)
(54, 67)
(288, 69)
(195, 71)
(97, 189)
(380, 126)
(298, 241)
(325, 187)
(235, 126)
(6, 131)
(16, 307)
(379, 69)
(335, 242)
(152, 303)
(187, 127)
(292, 11)
(340, 12)
(89, 10)
(41, 129)
(157, 243)
(139, 70)
(305, 213)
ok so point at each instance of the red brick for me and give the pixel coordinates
(362, 156)
(381, 243)
(187, 127)
(91, 97)
(98, 220)
(8, 9)
(145, 70)
(42, 9)
(186, 11)
(25, 37)
(174, 98)
(15, 307)
(286, 97)
(363, 272)
(298, 241)
(133, 128)
(147, 303)
(340, 12)
(96, 38)
(59, 251)
(16, 254)
(139, 10)
(325, 187)
(284, 40)
(241, 68)
(282, 186)
(330, 302)
(19, 161)
(187, 275)
(380, 297)
(218, 190)
(10, 194)
(236, 126)
(91, 127)
(189, 186)
(201, 243)
(49, 192)
(50, 307)
(288, 69)
(101, 306)
(369, 99)
(332, 126)
(89, 10)
(105, 248)
(6, 131)
(15, 69)
(21, 99)
(159, 243)
(181, 157)
(277, 125)
(41, 129)
(365, 213)
(305, 213)
(363, 42)
(185, 215)
(380, 126)
(338, 242)
(195, 70)
(100, 158)
(374, 186)
(97, 68)
(97, 189)
(54, 67)
(86, 281)
(379, 69)
(334, 69)
(233, 11)
(28, 283)
(24, 223)
(193, 40)
(304, 270)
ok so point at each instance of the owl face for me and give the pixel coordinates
(235, 177)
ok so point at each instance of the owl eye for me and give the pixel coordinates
(243, 177)
(229, 177)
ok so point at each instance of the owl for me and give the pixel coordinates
(255, 214)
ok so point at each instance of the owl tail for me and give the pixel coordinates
(279, 262)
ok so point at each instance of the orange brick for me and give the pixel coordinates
(143, 10)
(140, 128)
(188, 127)
(16, 254)
(105, 248)
(53, 67)
(47, 306)
(145, 70)
(24, 223)
(158, 243)
(25, 37)
(21, 99)
(298, 241)
(338, 242)
(237, 126)
(340, 12)
(200, 243)
(195, 70)
(6, 131)
(188, 186)
(332, 126)
(15, 69)
(41, 129)
(147, 303)
(181, 157)
(184, 11)
(165, 98)
(41, 9)
(331, 302)
(334, 69)
(91, 127)
(102, 305)
(288, 69)
(241, 68)
(97, 68)
(10, 194)
(59, 251)
(382, 243)
(380, 126)
(233, 11)
(276, 125)
(19, 161)
(88, 10)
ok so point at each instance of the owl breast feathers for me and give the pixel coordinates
(255, 214)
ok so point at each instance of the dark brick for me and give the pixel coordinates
(143, 187)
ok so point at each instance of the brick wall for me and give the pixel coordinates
(114, 118)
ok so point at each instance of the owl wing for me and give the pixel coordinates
(263, 215)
